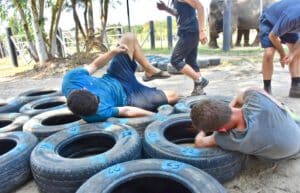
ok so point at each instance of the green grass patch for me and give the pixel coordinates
(8, 69)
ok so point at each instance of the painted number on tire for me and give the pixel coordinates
(172, 165)
(114, 170)
(190, 151)
(98, 159)
(152, 137)
(46, 146)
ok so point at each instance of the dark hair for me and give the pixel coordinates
(82, 102)
(209, 114)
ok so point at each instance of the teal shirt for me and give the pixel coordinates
(108, 89)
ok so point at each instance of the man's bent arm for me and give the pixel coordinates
(130, 111)
(104, 58)
(205, 141)
(277, 44)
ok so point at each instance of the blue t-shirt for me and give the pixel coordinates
(270, 132)
(284, 16)
(108, 89)
(186, 17)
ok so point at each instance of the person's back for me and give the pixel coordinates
(270, 131)
(107, 89)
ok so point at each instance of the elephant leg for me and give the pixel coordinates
(246, 37)
(239, 38)
(256, 41)
(213, 41)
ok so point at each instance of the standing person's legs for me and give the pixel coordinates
(186, 48)
(267, 68)
(265, 27)
(294, 69)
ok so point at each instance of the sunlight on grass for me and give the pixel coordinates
(8, 69)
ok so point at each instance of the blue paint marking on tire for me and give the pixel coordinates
(101, 159)
(163, 107)
(114, 170)
(126, 133)
(160, 117)
(123, 121)
(171, 165)
(46, 146)
(190, 151)
(152, 137)
(19, 148)
(107, 125)
(74, 130)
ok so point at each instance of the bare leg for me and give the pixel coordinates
(267, 68)
(294, 67)
(172, 96)
(190, 72)
(267, 65)
(135, 52)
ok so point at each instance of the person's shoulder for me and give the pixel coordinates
(76, 71)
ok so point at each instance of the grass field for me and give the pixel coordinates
(8, 69)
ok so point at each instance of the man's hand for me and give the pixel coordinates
(161, 6)
(288, 59)
(202, 37)
(201, 140)
(122, 48)
(282, 60)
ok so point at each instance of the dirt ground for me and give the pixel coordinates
(225, 79)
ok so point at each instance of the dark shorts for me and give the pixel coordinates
(265, 27)
(138, 95)
(186, 51)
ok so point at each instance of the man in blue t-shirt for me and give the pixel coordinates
(280, 23)
(253, 123)
(117, 93)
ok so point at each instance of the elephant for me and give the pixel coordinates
(245, 16)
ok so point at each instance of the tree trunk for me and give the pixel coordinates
(56, 11)
(30, 45)
(40, 43)
(77, 25)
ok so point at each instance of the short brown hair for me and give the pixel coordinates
(209, 114)
(82, 102)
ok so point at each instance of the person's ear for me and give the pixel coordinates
(222, 129)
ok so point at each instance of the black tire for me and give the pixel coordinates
(185, 105)
(214, 61)
(63, 161)
(140, 123)
(12, 105)
(47, 123)
(173, 139)
(203, 63)
(15, 150)
(163, 64)
(43, 105)
(12, 121)
(151, 176)
(172, 70)
(35, 94)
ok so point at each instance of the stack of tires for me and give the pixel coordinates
(65, 154)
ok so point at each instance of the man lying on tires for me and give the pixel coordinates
(117, 93)
(253, 123)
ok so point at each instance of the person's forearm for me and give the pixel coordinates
(200, 13)
(277, 44)
(103, 59)
(171, 11)
(205, 141)
(129, 111)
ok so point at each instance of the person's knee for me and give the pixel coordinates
(129, 37)
(172, 97)
(269, 54)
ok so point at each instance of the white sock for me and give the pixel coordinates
(199, 80)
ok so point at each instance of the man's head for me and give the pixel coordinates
(209, 115)
(82, 102)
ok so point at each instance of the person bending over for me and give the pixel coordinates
(280, 23)
(117, 93)
(253, 123)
